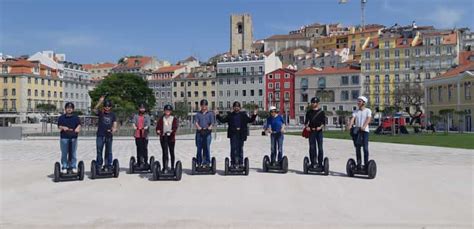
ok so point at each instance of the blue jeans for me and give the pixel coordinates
(236, 149)
(100, 142)
(365, 143)
(68, 161)
(316, 137)
(203, 144)
(277, 144)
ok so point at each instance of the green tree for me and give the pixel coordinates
(250, 107)
(181, 110)
(126, 91)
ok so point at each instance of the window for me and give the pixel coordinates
(228, 93)
(355, 79)
(450, 88)
(397, 65)
(270, 76)
(277, 86)
(286, 85)
(467, 90)
(440, 93)
(397, 53)
(377, 54)
(260, 80)
(236, 81)
(367, 66)
(36, 93)
(189, 94)
(387, 65)
(377, 66)
(260, 92)
(407, 64)
(5, 92)
(13, 79)
(354, 94)
(344, 80)
(407, 77)
(387, 53)
(270, 85)
(29, 92)
(407, 52)
(438, 50)
(387, 44)
(377, 79)
(367, 55)
(244, 80)
(344, 95)
(397, 78)
(427, 51)
(236, 93)
(277, 76)
(252, 92)
(244, 92)
(252, 80)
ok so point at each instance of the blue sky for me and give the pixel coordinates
(90, 31)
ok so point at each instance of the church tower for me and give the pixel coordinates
(241, 34)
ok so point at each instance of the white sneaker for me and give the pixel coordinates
(74, 170)
(63, 170)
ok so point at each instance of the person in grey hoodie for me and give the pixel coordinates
(141, 125)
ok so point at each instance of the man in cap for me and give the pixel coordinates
(237, 131)
(275, 125)
(107, 126)
(141, 124)
(69, 125)
(360, 120)
(314, 123)
(204, 119)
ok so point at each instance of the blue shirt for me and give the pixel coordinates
(205, 120)
(275, 123)
(106, 122)
(71, 122)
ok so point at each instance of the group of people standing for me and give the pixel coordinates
(204, 122)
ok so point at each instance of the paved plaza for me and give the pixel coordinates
(416, 187)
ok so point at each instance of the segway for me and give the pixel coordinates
(200, 169)
(144, 167)
(370, 170)
(308, 167)
(104, 172)
(134, 167)
(280, 166)
(197, 169)
(167, 174)
(236, 169)
(69, 175)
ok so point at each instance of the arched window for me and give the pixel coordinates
(239, 28)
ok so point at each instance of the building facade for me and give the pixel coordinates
(160, 81)
(241, 78)
(337, 88)
(279, 43)
(405, 55)
(192, 87)
(26, 84)
(140, 65)
(322, 59)
(77, 84)
(280, 92)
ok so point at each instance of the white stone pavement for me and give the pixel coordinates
(416, 187)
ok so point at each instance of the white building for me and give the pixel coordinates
(241, 78)
(76, 86)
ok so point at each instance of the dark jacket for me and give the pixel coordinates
(174, 128)
(244, 120)
(315, 122)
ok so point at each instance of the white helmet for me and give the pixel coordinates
(363, 98)
(272, 108)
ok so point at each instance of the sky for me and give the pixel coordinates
(91, 31)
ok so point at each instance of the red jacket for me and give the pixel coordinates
(174, 128)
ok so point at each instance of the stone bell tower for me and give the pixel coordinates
(241, 34)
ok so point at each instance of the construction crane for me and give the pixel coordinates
(362, 11)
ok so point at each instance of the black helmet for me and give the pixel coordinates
(168, 107)
(236, 104)
(315, 100)
(204, 102)
(107, 103)
(141, 105)
(69, 104)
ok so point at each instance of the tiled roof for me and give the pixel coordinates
(297, 36)
(98, 65)
(130, 62)
(458, 70)
(169, 69)
(464, 57)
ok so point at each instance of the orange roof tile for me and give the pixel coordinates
(464, 57)
(297, 36)
(130, 62)
(458, 70)
(169, 68)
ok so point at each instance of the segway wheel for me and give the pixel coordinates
(305, 165)
(226, 166)
(156, 170)
(57, 171)
(326, 166)
(178, 171)
(116, 166)
(193, 166)
(93, 169)
(350, 167)
(214, 168)
(152, 163)
(265, 161)
(284, 164)
(131, 165)
(246, 163)
(80, 168)
(372, 169)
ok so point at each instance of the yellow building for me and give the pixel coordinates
(195, 86)
(453, 90)
(26, 84)
(358, 38)
(404, 55)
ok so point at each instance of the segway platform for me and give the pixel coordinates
(135, 168)
(309, 168)
(170, 174)
(370, 170)
(234, 169)
(277, 166)
(103, 172)
(197, 169)
(69, 175)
